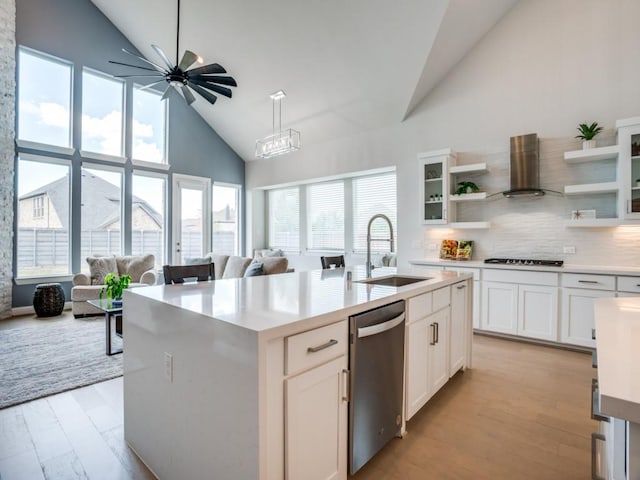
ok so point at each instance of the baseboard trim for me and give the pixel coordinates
(29, 310)
(544, 343)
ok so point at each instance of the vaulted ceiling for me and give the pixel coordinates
(347, 66)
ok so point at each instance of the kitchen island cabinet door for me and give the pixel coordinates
(459, 322)
(538, 312)
(500, 307)
(438, 363)
(417, 362)
(316, 423)
(577, 315)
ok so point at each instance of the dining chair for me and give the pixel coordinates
(178, 273)
(337, 261)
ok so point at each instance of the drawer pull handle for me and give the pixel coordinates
(433, 334)
(460, 287)
(330, 343)
(594, 438)
(437, 332)
(595, 402)
(345, 385)
(588, 281)
(637, 284)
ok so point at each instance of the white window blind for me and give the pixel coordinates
(284, 219)
(372, 195)
(325, 206)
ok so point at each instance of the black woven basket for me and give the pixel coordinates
(48, 299)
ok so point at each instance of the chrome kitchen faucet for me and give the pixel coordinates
(369, 239)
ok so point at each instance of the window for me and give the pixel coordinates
(38, 206)
(149, 126)
(101, 213)
(226, 212)
(44, 99)
(325, 207)
(371, 195)
(284, 219)
(102, 101)
(43, 217)
(148, 213)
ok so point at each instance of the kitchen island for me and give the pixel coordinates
(215, 372)
(618, 348)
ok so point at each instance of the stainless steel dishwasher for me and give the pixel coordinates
(376, 360)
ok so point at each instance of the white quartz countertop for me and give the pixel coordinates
(270, 302)
(566, 268)
(618, 347)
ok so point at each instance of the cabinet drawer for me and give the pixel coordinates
(419, 307)
(520, 277)
(314, 347)
(629, 284)
(441, 298)
(594, 282)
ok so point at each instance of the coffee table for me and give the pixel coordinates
(110, 313)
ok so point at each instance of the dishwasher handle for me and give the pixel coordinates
(380, 327)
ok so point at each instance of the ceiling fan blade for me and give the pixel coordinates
(188, 59)
(216, 79)
(209, 97)
(164, 58)
(165, 95)
(157, 67)
(188, 96)
(215, 88)
(211, 68)
(134, 66)
(146, 87)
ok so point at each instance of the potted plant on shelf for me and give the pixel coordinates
(114, 286)
(466, 187)
(587, 134)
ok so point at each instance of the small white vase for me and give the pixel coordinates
(587, 144)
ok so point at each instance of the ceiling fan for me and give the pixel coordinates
(203, 80)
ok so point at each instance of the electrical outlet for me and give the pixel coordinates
(569, 249)
(168, 366)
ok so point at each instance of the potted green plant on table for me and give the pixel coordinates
(114, 286)
(587, 134)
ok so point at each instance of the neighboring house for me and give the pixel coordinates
(101, 209)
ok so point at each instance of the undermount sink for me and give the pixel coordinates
(394, 280)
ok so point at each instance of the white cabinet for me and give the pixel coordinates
(577, 315)
(429, 359)
(475, 304)
(458, 326)
(499, 307)
(520, 303)
(434, 185)
(316, 404)
(629, 167)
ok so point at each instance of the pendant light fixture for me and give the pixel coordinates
(281, 141)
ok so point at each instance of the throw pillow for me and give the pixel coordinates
(220, 261)
(254, 270)
(100, 267)
(274, 265)
(135, 265)
(236, 267)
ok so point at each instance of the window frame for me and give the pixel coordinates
(239, 228)
(165, 215)
(28, 279)
(137, 162)
(90, 154)
(107, 168)
(35, 145)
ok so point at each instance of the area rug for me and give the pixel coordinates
(52, 357)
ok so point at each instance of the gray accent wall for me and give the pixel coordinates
(77, 31)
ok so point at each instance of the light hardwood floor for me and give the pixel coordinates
(521, 413)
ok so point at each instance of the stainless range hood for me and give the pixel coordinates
(525, 167)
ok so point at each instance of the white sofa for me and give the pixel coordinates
(88, 286)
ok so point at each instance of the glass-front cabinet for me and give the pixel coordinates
(629, 167)
(434, 185)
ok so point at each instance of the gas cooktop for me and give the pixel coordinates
(520, 261)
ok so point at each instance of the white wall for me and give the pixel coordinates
(547, 66)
